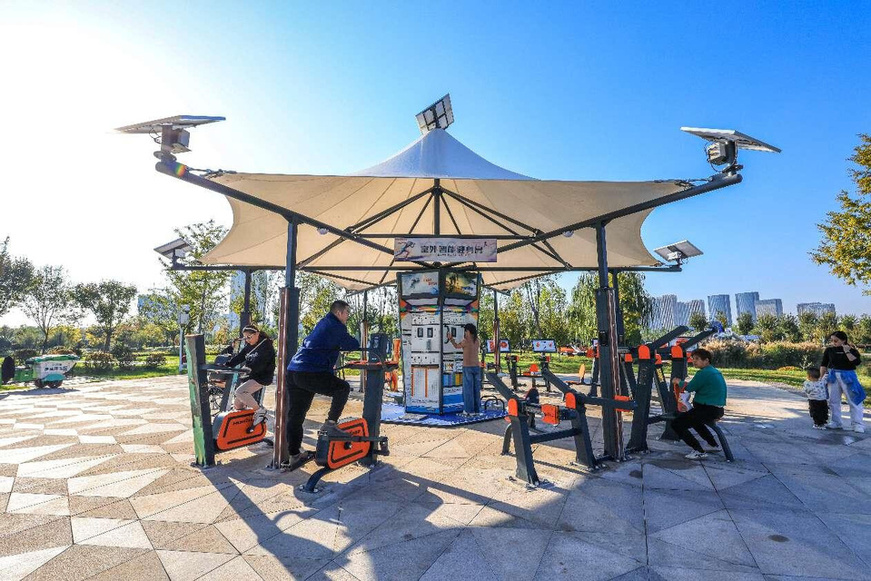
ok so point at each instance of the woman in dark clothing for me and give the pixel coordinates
(258, 354)
(840, 361)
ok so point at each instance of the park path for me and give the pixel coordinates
(95, 483)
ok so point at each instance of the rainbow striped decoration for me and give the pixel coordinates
(180, 170)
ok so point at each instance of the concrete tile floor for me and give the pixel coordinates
(95, 483)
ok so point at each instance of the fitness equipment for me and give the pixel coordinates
(431, 303)
(521, 418)
(364, 433)
(650, 373)
(228, 429)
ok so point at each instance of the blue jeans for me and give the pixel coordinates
(471, 389)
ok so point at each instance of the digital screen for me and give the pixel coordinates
(461, 283)
(544, 346)
(420, 283)
(504, 346)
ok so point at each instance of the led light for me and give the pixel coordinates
(322, 231)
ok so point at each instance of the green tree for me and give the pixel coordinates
(744, 323)
(787, 328)
(316, 294)
(863, 334)
(16, 276)
(109, 301)
(826, 325)
(512, 320)
(158, 308)
(698, 321)
(635, 302)
(545, 305)
(203, 292)
(721, 317)
(808, 326)
(49, 301)
(846, 234)
(766, 327)
(848, 323)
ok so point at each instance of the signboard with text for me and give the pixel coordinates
(443, 249)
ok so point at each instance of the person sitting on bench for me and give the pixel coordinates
(311, 371)
(258, 354)
(708, 403)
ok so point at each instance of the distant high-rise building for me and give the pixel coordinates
(769, 307)
(663, 312)
(695, 306)
(816, 308)
(720, 304)
(746, 303)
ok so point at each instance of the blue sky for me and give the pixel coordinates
(576, 92)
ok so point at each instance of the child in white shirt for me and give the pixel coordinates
(817, 397)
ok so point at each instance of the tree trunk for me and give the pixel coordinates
(108, 342)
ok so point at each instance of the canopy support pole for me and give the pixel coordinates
(498, 352)
(621, 329)
(609, 363)
(245, 315)
(288, 333)
(437, 208)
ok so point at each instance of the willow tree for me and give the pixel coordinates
(635, 302)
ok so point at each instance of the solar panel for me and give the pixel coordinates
(678, 251)
(439, 115)
(176, 122)
(741, 140)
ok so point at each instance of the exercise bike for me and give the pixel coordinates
(363, 441)
(233, 428)
(229, 429)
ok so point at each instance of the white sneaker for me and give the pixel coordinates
(259, 416)
(859, 429)
(831, 426)
(816, 427)
(694, 455)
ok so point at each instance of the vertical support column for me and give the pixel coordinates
(436, 208)
(198, 388)
(288, 335)
(498, 355)
(245, 315)
(609, 357)
(621, 330)
(364, 339)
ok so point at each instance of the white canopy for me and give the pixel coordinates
(475, 197)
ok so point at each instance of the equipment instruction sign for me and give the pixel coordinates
(445, 249)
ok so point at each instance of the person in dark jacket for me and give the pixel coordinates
(258, 355)
(312, 371)
(840, 361)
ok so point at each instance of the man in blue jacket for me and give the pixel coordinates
(311, 371)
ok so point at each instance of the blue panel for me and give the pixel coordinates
(396, 414)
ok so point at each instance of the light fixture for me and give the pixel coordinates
(322, 231)
(439, 115)
(569, 233)
(725, 143)
(679, 251)
(171, 132)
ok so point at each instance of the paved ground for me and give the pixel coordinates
(95, 483)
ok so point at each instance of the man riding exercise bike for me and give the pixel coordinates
(311, 371)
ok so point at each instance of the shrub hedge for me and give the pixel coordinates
(773, 355)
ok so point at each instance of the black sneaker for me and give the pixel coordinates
(332, 430)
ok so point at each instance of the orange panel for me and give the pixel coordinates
(344, 453)
(627, 358)
(513, 407)
(677, 352)
(571, 401)
(644, 352)
(551, 414)
(658, 360)
(233, 430)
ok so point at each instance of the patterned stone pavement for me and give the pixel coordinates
(95, 483)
